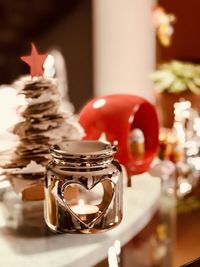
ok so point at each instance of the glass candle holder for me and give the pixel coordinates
(83, 188)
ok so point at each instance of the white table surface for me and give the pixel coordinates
(140, 203)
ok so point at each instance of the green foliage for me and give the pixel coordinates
(176, 77)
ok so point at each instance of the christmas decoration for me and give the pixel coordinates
(35, 61)
(187, 130)
(182, 146)
(118, 117)
(41, 125)
(163, 24)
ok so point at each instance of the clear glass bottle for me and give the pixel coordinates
(83, 188)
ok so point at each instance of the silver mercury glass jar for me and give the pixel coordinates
(83, 188)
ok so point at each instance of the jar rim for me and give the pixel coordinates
(83, 148)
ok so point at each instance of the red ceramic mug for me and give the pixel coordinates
(116, 116)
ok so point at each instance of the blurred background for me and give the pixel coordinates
(109, 46)
(65, 25)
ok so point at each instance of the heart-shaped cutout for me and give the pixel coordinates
(87, 205)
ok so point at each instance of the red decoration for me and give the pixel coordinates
(35, 61)
(117, 116)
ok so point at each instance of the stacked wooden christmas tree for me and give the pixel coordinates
(42, 125)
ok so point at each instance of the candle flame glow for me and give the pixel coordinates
(81, 203)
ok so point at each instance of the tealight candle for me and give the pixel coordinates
(85, 211)
(137, 142)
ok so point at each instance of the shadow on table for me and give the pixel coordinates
(49, 241)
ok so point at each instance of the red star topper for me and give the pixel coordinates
(35, 61)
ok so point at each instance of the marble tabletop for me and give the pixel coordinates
(68, 250)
